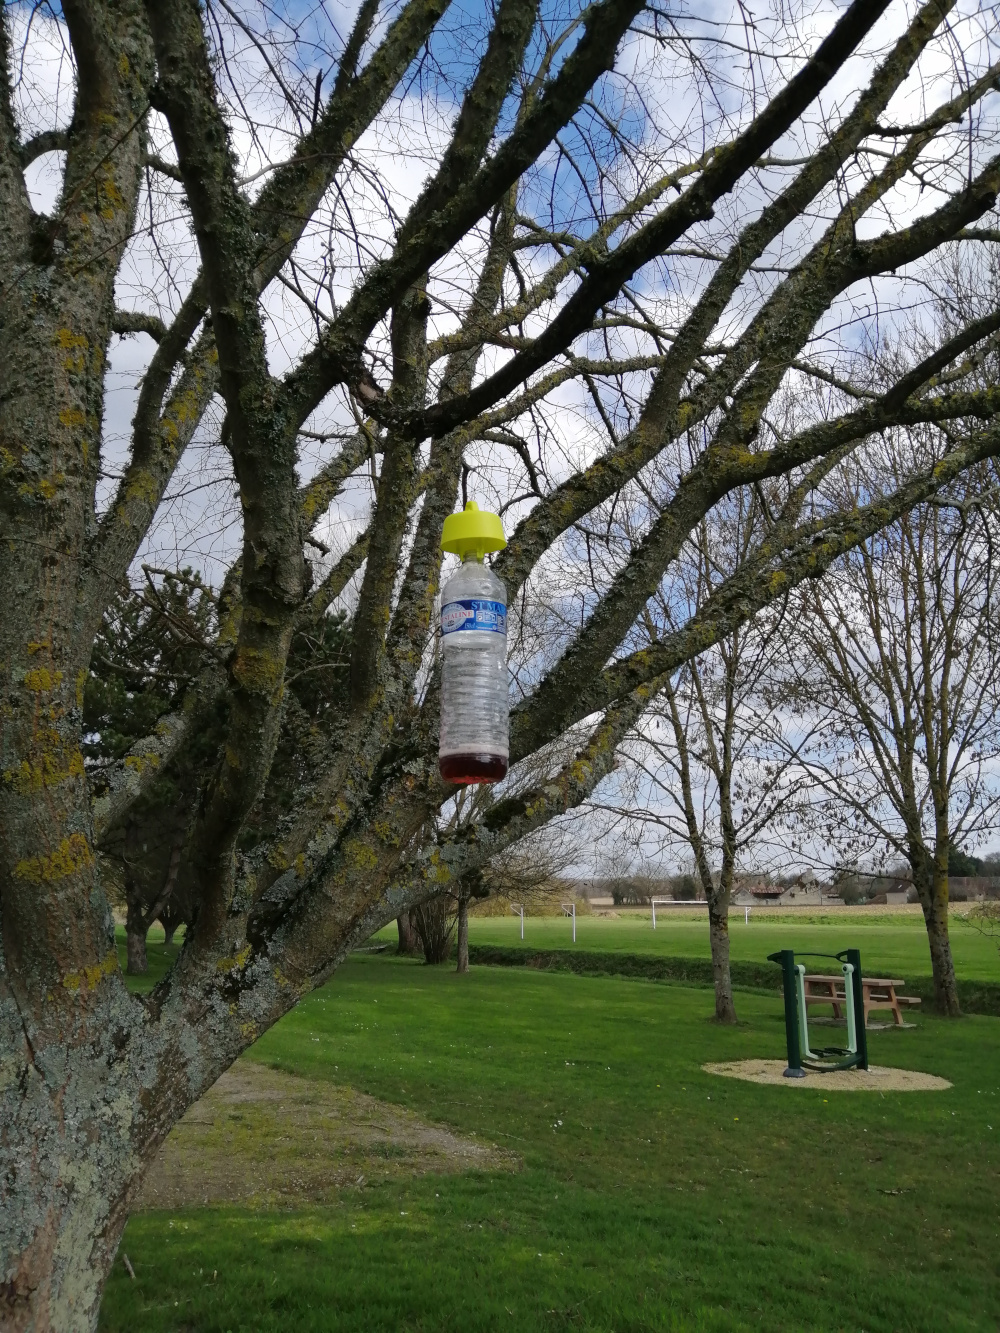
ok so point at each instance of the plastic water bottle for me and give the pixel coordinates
(474, 744)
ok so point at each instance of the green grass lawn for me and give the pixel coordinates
(653, 1196)
(890, 945)
(159, 958)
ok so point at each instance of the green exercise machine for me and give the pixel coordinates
(827, 1058)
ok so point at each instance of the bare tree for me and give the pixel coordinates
(435, 926)
(900, 656)
(354, 275)
(524, 873)
(710, 766)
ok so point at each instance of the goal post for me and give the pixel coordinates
(662, 902)
(569, 909)
(518, 910)
(683, 902)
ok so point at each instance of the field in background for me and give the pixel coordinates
(651, 1195)
(891, 944)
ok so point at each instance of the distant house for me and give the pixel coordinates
(803, 891)
(893, 891)
(972, 888)
(898, 892)
(752, 891)
(802, 895)
(961, 889)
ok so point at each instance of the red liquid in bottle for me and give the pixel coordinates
(470, 768)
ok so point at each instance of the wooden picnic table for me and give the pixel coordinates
(879, 993)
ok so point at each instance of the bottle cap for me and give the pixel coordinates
(473, 531)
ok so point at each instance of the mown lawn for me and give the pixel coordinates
(160, 959)
(653, 1196)
(890, 945)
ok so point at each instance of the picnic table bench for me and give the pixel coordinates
(879, 993)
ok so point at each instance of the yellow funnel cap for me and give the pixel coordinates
(473, 531)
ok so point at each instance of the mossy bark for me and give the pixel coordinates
(71, 1045)
(932, 888)
(718, 930)
(65, 1214)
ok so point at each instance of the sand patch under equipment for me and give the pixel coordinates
(878, 1078)
(262, 1137)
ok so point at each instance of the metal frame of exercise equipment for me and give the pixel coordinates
(800, 1056)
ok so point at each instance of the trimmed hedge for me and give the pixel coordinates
(591, 962)
(975, 997)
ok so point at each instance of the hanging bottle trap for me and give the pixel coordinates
(474, 744)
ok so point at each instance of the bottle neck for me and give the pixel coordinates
(472, 558)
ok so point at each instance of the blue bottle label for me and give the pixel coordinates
(474, 613)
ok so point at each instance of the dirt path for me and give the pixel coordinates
(263, 1137)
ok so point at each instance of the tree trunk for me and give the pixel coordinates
(408, 942)
(55, 1279)
(463, 935)
(931, 882)
(75, 1138)
(170, 920)
(718, 931)
(135, 937)
(935, 906)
